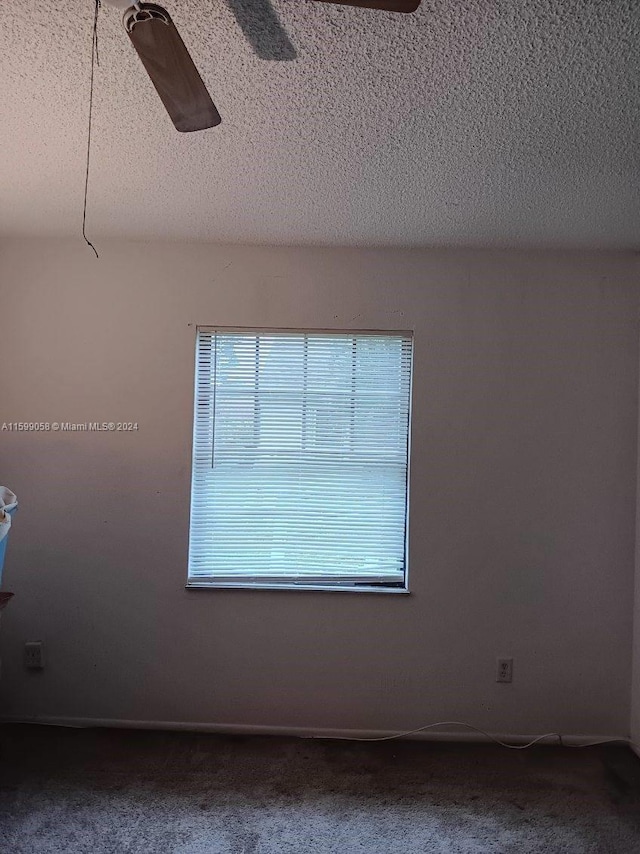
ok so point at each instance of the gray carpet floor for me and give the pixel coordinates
(111, 792)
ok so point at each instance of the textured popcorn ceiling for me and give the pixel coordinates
(491, 122)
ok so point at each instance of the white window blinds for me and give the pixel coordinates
(300, 458)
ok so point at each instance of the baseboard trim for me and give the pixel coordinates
(302, 732)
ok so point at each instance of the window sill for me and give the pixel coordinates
(335, 588)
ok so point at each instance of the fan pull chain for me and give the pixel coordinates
(95, 60)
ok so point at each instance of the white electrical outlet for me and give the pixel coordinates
(504, 670)
(34, 655)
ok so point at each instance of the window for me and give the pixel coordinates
(300, 459)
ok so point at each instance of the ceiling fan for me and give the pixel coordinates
(171, 69)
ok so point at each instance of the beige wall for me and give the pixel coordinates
(522, 491)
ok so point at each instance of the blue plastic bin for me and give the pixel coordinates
(3, 545)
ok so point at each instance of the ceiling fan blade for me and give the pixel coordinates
(386, 5)
(171, 69)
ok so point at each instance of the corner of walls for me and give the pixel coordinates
(635, 667)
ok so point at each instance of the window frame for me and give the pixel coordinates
(309, 583)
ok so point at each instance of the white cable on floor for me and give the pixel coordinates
(483, 732)
(396, 735)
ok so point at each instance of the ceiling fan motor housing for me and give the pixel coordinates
(120, 4)
(144, 12)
